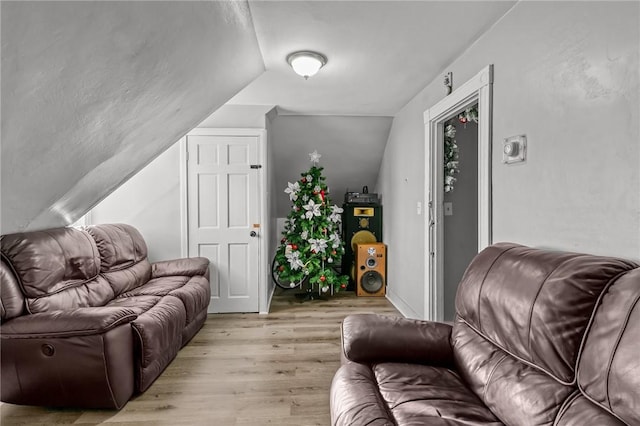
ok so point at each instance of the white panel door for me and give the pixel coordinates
(224, 215)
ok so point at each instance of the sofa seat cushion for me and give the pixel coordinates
(195, 294)
(405, 394)
(158, 337)
(138, 304)
(157, 287)
(421, 394)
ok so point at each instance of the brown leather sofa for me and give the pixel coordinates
(87, 321)
(539, 338)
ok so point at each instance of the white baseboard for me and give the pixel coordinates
(402, 306)
(273, 290)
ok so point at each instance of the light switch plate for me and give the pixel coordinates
(448, 209)
(514, 149)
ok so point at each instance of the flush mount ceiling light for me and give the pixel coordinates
(306, 63)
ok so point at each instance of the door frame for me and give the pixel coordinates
(261, 134)
(479, 89)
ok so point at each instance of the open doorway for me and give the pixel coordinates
(475, 93)
(460, 201)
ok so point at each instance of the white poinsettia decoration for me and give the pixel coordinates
(317, 188)
(304, 235)
(334, 239)
(319, 245)
(291, 223)
(305, 198)
(315, 157)
(294, 260)
(450, 131)
(312, 209)
(309, 178)
(292, 190)
(336, 214)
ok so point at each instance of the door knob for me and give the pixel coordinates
(253, 234)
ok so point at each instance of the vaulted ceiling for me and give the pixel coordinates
(93, 91)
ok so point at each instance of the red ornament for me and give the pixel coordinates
(282, 241)
(463, 119)
(303, 180)
(322, 195)
(343, 286)
(334, 252)
(323, 278)
(294, 247)
(281, 268)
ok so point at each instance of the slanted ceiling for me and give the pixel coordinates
(93, 91)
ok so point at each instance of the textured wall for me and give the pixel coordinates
(93, 91)
(566, 75)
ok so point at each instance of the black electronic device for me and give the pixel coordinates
(361, 223)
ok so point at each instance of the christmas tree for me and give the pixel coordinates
(311, 245)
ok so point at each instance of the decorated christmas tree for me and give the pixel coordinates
(311, 245)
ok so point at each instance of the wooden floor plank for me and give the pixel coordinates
(239, 370)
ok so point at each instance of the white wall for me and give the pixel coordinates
(149, 201)
(93, 91)
(566, 75)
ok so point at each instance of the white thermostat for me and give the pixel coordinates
(514, 149)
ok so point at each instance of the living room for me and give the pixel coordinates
(565, 74)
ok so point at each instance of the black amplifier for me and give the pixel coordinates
(361, 198)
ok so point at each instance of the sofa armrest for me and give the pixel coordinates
(370, 338)
(187, 267)
(80, 358)
(77, 322)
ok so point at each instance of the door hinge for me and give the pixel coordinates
(256, 166)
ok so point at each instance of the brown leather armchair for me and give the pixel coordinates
(539, 338)
(87, 321)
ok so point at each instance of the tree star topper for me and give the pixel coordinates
(315, 157)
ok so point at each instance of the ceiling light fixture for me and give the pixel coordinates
(306, 63)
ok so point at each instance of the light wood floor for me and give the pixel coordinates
(240, 369)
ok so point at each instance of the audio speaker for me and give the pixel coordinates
(361, 223)
(371, 266)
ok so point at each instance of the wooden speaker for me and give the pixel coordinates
(371, 266)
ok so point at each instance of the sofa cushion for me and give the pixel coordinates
(195, 294)
(609, 366)
(157, 287)
(138, 304)
(56, 269)
(158, 334)
(420, 394)
(355, 399)
(11, 298)
(535, 304)
(120, 245)
(517, 393)
(405, 394)
(579, 411)
(123, 256)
